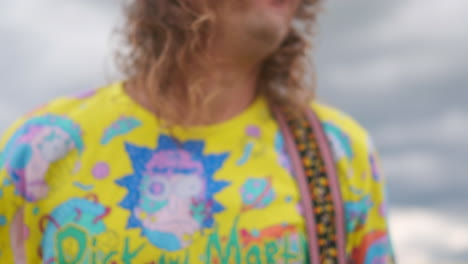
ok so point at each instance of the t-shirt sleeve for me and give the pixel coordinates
(363, 188)
(367, 222)
(33, 154)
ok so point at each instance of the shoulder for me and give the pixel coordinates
(334, 117)
(48, 134)
(348, 138)
(63, 113)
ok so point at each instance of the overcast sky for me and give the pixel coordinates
(399, 67)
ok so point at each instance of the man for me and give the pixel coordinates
(185, 162)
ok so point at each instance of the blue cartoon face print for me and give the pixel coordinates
(171, 192)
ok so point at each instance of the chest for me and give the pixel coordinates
(179, 198)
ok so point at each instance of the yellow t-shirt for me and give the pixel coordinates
(95, 179)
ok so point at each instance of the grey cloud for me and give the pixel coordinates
(399, 67)
(403, 56)
(51, 49)
(445, 129)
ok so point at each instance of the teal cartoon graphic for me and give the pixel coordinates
(69, 230)
(340, 142)
(253, 134)
(356, 213)
(120, 127)
(283, 156)
(257, 193)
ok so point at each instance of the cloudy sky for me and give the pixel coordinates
(399, 67)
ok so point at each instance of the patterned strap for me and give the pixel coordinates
(322, 189)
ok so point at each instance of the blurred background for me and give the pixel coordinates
(399, 67)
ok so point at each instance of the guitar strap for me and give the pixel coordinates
(314, 169)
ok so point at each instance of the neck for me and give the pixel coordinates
(233, 89)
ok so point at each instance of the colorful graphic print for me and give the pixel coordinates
(373, 159)
(375, 249)
(38, 143)
(101, 170)
(66, 231)
(111, 241)
(340, 142)
(122, 126)
(18, 226)
(273, 232)
(280, 147)
(356, 213)
(85, 94)
(279, 244)
(171, 193)
(253, 133)
(257, 193)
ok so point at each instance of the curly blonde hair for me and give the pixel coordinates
(165, 39)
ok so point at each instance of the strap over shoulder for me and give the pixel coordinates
(317, 179)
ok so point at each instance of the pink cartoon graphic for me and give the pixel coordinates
(31, 150)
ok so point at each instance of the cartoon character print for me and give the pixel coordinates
(122, 126)
(171, 192)
(69, 231)
(374, 249)
(34, 147)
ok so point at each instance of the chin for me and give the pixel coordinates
(255, 33)
(267, 32)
